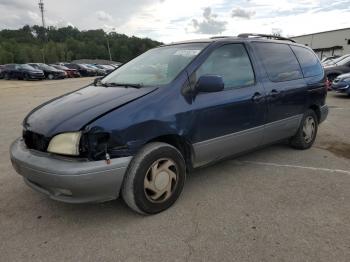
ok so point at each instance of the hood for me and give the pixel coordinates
(71, 112)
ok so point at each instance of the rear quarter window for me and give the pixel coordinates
(309, 63)
(279, 61)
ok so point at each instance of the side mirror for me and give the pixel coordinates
(209, 83)
(97, 81)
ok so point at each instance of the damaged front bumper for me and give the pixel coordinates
(69, 180)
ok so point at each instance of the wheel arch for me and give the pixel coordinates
(180, 143)
(317, 111)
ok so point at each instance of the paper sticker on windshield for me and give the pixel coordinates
(187, 53)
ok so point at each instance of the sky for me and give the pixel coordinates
(177, 20)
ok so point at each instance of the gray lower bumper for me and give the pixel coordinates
(324, 113)
(69, 180)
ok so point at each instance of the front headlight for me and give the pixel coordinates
(65, 144)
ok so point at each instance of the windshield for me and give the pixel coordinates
(157, 66)
(60, 67)
(46, 67)
(337, 60)
(92, 67)
(344, 61)
(27, 67)
(84, 66)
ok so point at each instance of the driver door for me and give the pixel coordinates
(230, 121)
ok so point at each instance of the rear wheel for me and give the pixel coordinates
(307, 131)
(155, 178)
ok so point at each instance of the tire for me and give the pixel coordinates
(26, 77)
(306, 135)
(152, 168)
(7, 76)
(50, 76)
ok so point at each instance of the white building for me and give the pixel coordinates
(328, 43)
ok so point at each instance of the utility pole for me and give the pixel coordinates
(109, 49)
(41, 7)
(108, 46)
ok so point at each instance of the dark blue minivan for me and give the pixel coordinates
(139, 130)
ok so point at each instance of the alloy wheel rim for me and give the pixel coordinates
(160, 180)
(309, 129)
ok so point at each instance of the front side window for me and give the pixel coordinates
(308, 61)
(157, 66)
(279, 61)
(232, 63)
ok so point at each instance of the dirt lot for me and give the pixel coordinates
(276, 204)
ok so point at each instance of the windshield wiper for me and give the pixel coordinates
(122, 84)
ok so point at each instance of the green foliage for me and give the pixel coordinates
(36, 44)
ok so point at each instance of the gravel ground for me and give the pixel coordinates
(276, 204)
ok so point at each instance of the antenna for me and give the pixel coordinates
(41, 7)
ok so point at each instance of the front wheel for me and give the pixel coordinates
(50, 77)
(306, 135)
(154, 179)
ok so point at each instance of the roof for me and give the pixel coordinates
(323, 32)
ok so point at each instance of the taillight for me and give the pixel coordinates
(327, 84)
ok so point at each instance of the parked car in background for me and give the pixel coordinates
(71, 73)
(341, 84)
(139, 130)
(336, 60)
(22, 71)
(329, 59)
(83, 70)
(115, 65)
(98, 71)
(107, 68)
(1, 68)
(337, 67)
(49, 71)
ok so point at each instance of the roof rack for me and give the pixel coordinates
(218, 37)
(247, 35)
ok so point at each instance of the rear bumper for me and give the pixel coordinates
(67, 180)
(323, 113)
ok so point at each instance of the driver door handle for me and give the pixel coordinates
(274, 93)
(257, 97)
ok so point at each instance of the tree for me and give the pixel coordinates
(31, 43)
